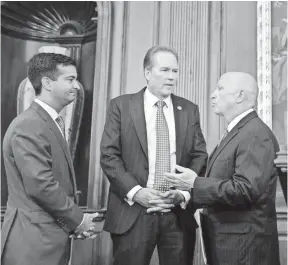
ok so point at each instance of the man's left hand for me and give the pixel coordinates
(168, 200)
(182, 181)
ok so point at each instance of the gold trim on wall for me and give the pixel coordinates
(264, 74)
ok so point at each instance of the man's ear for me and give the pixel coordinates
(240, 96)
(147, 74)
(46, 83)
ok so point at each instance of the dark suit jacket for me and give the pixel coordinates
(239, 195)
(124, 153)
(41, 207)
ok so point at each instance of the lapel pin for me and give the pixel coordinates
(179, 107)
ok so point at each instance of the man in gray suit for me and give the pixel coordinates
(238, 192)
(42, 206)
(145, 134)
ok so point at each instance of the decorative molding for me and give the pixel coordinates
(97, 184)
(264, 76)
(74, 51)
(125, 48)
(100, 218)
(51, 21)
(264, 73)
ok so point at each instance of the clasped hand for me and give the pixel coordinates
(87, 228)
(157, 201)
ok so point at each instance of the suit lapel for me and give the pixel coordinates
(228, 138)
(138, 117)
(218, 150)
(45, 116)
(181, 123)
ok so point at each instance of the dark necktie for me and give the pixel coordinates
(61, 124)
(162, 149)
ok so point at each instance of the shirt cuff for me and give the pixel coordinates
(187, 197)
(131, 193)
(81, 222)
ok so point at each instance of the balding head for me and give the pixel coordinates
(241, 81)
(236, 92)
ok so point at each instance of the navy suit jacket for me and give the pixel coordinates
(42, 205)
(238, 196)
(124, 155)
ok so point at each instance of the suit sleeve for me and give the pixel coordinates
(198, 153)
(254, 167)
(121, 180)
(32, 154)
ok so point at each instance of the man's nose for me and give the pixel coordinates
(172, 75)
(76, 85)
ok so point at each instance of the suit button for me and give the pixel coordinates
(146, 167)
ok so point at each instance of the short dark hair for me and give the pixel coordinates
(147, 63)
(45, 64)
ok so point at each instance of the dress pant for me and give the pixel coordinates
(136, 246)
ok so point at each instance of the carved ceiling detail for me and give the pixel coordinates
(52, 21)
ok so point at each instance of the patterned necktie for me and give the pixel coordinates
(162, 149)
(61, 124)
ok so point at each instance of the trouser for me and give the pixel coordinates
(136, 246)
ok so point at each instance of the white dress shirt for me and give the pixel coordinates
(150, 110)
(234, 122)
(52, 112)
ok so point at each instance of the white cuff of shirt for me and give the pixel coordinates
(187, 197)
(81, 222)
(131, 194)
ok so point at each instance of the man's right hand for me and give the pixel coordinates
(144, 195)
(87, 227)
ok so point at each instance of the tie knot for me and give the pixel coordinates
(61, 124)
(60, 119)
(160, 104)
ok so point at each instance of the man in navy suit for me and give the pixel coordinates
(144, 134)
(42, 210)
(238, 192)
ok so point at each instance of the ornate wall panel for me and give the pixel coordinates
(185, 27)
(264, 62)
(272, 100)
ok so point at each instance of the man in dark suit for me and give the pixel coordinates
(42, 206)
(146, 134)
(238, 192)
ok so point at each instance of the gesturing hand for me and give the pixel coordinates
(182, 181)
(168, 200)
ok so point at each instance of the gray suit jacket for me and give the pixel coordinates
(238, 194)
(41, 207)
(124, 154)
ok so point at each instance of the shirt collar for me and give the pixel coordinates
(52, 112)
(151, 100)
(233, 123)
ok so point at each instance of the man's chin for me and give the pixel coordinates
(217, 112)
